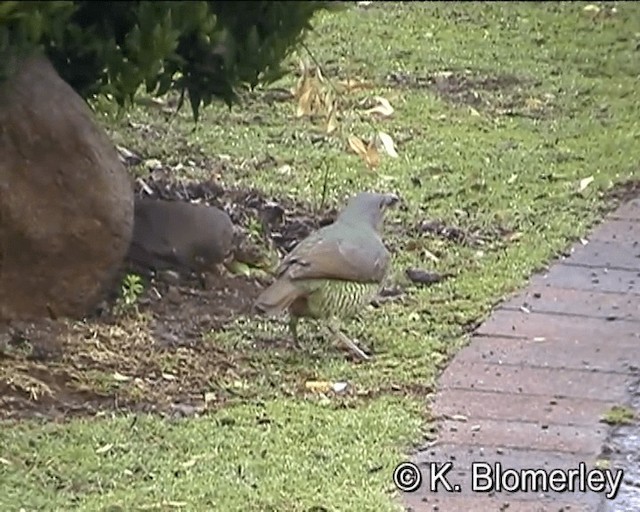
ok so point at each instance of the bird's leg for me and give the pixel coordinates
(349, 343)
(293, 329)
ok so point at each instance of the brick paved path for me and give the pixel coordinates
(530, 389)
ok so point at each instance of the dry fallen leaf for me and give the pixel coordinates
(372, 157)
(534, 103)
(305, 102)
(352, 85)
(318, 386)
(368, 152)
(357, 146)
(585, 182)
(190, 463)
(332, 123)
(104, 449)
(430, 255)
(321, 386)
(118, 377)
(328, 101)
(383, 108)
(387, 144)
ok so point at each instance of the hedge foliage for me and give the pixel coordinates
(203, 49)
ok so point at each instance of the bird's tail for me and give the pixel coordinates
(277, 298)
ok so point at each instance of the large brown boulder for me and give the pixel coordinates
(66, 201)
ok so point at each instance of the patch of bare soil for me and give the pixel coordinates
(157, 356)
(621, 193)
(497, 94)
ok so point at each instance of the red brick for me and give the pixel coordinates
(541, 409)
(606, 255)
(536, 381)
(625, 232)
(463, 455)
(563, 328)
(547, 299)
(590, 279)
(540, 372)
(506, 503)
(577, 355)
(516, 434)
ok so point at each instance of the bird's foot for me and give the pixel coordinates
(350, 344)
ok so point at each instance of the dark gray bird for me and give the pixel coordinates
(335, 271)
(180, 236)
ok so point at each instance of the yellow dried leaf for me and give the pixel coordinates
(318, 386)
(320, 76)
(534, 103)
(296, 89)
(190, 463)
(383, 108)
(304, 103)
(118, 377)
(104, 449)
(332, 122)
(328, 102)
(430, 255)
(352, 85)
(357, 146)
(387, 144)
(304, 67)
(372, 157)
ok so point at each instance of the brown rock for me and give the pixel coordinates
(66, 201)
(180, 236)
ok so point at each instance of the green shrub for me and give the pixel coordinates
(204, 49)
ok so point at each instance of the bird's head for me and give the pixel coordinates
(368, 208)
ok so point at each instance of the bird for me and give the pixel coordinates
(180, 236)
(335, 271)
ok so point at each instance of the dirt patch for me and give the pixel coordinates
(159, 349)
(475, 237)
(499, 94)
(621, 193)
(158, 355)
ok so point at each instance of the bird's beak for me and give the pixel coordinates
(391, 200)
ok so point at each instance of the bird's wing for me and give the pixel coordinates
(342, 258)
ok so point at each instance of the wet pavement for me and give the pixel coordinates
(531, 389)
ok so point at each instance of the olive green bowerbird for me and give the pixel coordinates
(335, 271)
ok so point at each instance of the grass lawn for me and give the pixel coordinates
(502, 111)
